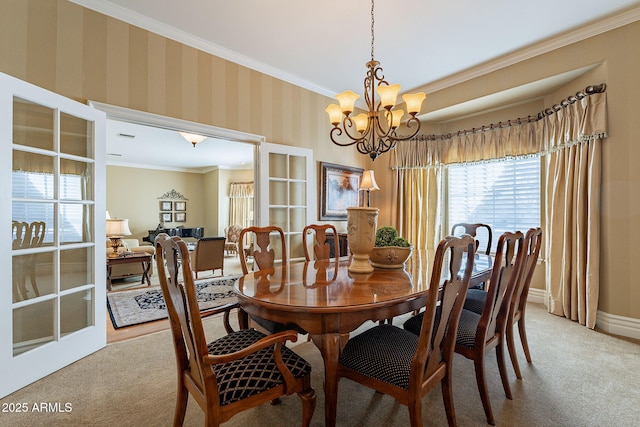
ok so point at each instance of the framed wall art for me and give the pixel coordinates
(180, 217)
(339, 190)
(180, 206)
(165, 206)
(166, 216)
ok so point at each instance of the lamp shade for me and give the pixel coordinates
(414, 101)
(368, 181)
(118, 227)
(388, 95)
(347, 100)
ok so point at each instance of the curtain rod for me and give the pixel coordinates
(589, 90)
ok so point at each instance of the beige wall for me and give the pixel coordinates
(207, 194)
(84, 55)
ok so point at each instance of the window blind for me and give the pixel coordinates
(503, 193)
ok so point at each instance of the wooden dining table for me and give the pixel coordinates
(329, 302)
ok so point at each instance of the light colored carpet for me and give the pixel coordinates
(579, 377)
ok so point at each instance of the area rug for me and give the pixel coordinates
(142, 305)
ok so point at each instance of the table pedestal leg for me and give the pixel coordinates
(330, 346)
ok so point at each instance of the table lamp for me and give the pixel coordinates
(368, 184)
(116, 228)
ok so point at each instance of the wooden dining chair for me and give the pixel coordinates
(264, 257)
(479, 333)
(483, 238)
(321, 246)
(532, 244)
(262, 251)
(208, 255)
(238, 371)
(407, 366)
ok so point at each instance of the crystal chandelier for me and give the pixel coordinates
(376, 130)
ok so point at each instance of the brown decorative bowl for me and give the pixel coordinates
(390, 256)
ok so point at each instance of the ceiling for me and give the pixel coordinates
(141, 146)
(324, 45)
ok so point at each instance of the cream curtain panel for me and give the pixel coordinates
(568, 136)
(241, 203)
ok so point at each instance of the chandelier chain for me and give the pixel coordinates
(372, 24)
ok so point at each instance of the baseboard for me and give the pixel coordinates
(618, 325)
(609, 323)
(537, 295)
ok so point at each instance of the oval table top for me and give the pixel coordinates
(327, 286)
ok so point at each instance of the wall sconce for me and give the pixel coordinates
(116, 228)
(368, 184)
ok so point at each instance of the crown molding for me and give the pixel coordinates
(579, 34)
(594, 29)
(144, 22)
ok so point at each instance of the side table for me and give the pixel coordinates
(141, 257)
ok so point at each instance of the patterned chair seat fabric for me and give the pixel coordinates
(255, 373)
(466, 328)
(475, 300)
(383, 352)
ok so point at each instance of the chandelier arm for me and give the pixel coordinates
(347, 124)
(413, 120)
(337, 131)
(382, 131)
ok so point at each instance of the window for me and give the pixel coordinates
(38, 188)
(503, 193)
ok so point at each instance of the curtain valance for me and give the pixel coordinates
(577, 119)
(240, 190)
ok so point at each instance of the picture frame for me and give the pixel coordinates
(165, 206)
(180, 217)
(166, 217)
(339, 190)
(180, 206)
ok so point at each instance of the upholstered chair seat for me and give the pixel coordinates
(475, 300)
(384, 353)
(255, 373)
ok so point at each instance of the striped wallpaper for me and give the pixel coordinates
(85, 55)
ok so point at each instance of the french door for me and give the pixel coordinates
(52, 168)
(287, 193)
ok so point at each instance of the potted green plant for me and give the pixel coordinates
(390, 250)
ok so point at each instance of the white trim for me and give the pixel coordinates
(139, 20)
(171, 123)
(618, 325)
(538, 49)
(609, 323)
(538, 296)
(172, 33)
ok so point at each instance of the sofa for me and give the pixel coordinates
(120, 271)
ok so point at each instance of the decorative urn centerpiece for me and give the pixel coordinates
(361, 236)
(390, 250)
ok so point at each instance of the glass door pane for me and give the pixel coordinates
(52, 168)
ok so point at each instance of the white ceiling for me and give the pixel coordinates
(142, 146)
(324, 45)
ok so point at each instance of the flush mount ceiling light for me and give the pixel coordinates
(375, 130)
(192, 137)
